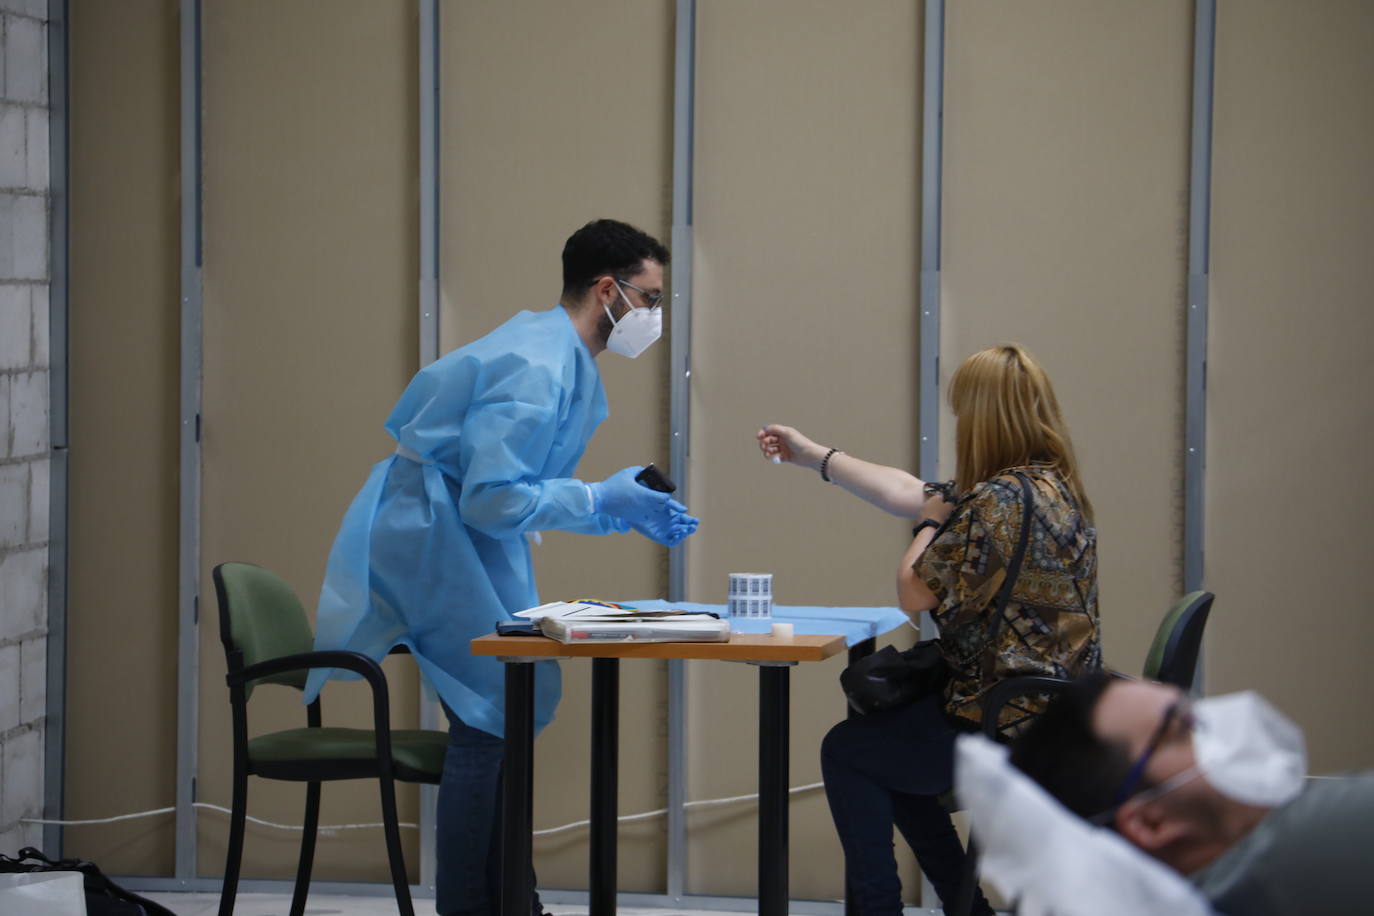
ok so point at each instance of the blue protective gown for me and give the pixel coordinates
(433, 550)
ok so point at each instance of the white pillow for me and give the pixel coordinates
(1037, 852)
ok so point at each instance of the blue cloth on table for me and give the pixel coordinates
(855, 624)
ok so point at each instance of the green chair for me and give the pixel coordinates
(1172, 659)
(1178, 641)
(267, 640)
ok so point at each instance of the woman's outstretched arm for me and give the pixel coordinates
(891, 489)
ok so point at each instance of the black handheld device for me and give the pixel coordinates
(517, 628)
(655, 479)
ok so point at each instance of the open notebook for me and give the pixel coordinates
(603, 621)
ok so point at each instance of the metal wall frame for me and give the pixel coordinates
(188, 634)
(680, 379)
(680, 410)
(59, 122)
(430, 203)
(932, 202)
(1199, 267)
(932, 139)
(429, 181)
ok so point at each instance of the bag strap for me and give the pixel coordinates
(1014, 570)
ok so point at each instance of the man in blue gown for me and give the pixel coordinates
(435, 547)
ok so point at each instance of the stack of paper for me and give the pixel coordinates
(585, 621)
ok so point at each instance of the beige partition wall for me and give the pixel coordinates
(555, 114)
(807, 242)
(124, 371)
(1289, 373)
(1065, 229)
(310, 333)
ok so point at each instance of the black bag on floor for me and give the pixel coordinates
(103, 896)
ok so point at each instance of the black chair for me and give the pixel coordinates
(1172, 659)
(267, 640)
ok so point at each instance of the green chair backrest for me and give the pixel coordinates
(261, 617)
(1187, 607)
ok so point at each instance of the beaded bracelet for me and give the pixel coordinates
(825, 463)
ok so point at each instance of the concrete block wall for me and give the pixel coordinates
(24, 417)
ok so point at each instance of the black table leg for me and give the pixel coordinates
(773, 758)
(605, 760)
(860, 649)
(517, 816)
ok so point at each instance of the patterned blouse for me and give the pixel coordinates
(1050, 627)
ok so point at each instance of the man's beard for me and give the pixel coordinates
(1206, 811)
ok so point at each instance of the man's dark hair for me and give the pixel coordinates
(606, 246)
(1061, 751)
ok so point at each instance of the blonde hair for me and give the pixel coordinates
(1009, 417)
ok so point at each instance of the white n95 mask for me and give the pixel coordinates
(1248, 750)
(636, 329)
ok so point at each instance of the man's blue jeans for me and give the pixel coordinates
(887, 769)
(468, 830)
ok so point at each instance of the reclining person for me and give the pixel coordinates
(1215, 788)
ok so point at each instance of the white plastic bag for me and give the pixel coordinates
(43, 893)
(1052, 861)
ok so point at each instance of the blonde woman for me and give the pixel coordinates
(887, 769)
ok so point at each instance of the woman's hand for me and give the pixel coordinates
(936, 507)
(783, 443)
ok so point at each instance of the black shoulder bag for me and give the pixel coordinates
(888, 679)
(103, 896)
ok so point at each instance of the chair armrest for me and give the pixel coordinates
(336, 658)
(352, 661)
(1004, 692)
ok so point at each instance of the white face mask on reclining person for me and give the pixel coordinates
(636, 329)
(1248, 750)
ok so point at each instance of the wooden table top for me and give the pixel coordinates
(742, 647)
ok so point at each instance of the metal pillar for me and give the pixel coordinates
(932, 143)
(928, 362)
(680, 372)
(188, 641)
(54, 751)
(429, 334)
(1199, 243)
(429, 181)
(932, 127)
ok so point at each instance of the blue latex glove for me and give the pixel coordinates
(670, 531)
(653, 514)
(621, 496)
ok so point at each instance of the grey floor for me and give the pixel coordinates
(184, 904)
(188, 904)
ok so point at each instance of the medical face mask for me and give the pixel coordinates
(636, 329)
(1248, 750)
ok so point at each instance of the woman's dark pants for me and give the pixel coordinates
(887, 769)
